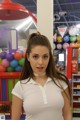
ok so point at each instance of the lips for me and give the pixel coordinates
(40, 68)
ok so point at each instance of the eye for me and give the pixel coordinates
(45, 56)
(35, 56)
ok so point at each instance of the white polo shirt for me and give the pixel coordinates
(41, 102)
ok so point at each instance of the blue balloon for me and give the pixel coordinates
(14, 63)
(18, 68)
(66, 38)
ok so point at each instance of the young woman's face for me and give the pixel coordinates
(39, 59)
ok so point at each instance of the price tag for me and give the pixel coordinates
(2, 117)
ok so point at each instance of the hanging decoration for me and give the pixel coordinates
(62, 30)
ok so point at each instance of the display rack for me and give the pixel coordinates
(73, 73)
(76, 94)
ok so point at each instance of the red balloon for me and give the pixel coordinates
(2, 68)
(18, 55)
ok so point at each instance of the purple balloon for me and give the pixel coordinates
(3, 55)
(9, 57)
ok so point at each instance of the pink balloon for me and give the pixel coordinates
(5, 63)
(59, 46)
(24, 53)
(65, 45)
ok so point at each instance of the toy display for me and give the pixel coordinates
(11, 63)
(65, 37)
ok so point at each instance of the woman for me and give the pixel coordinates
(42, 91)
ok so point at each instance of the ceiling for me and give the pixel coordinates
(66, 12)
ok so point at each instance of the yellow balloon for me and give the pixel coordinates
(0, 50)
(59, 39)
(78, 38)
(0, 60)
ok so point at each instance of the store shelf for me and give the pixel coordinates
(73, 73)
(76, 94)
(75, 88)
(76, 101)
(76, 81)
(76, 111)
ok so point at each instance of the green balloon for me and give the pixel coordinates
(10, 69)
(72, 38)
(21, 61)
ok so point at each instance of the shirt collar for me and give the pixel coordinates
(31, 81)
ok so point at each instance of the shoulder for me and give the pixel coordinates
(62, 82)
(20, 84)
(18, 89)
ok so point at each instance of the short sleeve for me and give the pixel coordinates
(63, 84)
(17, 90)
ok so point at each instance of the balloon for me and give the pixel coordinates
(21, 61)
(59, 39)
(13, 63)
(71, 44)
(5, 63)
(66, 38)
(0, 60)
(72, 38)
(0, 50)
(10, 69)
(59, 46)
(24, 53)
(65, 45)
(18, 55)
(9, 57)
(2, 68)
(18, 68)
(78, 38)
(3, 55)
(20, 51)
(73, 30)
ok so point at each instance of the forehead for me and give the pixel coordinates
(40, 49)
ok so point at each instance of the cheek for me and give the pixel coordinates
(46, 63)
(32, 63)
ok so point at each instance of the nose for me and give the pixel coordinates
(40, 61)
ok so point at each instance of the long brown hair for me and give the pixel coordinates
(36, 39)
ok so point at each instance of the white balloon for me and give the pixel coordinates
(73, 30)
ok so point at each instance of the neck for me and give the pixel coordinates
(39, 75)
